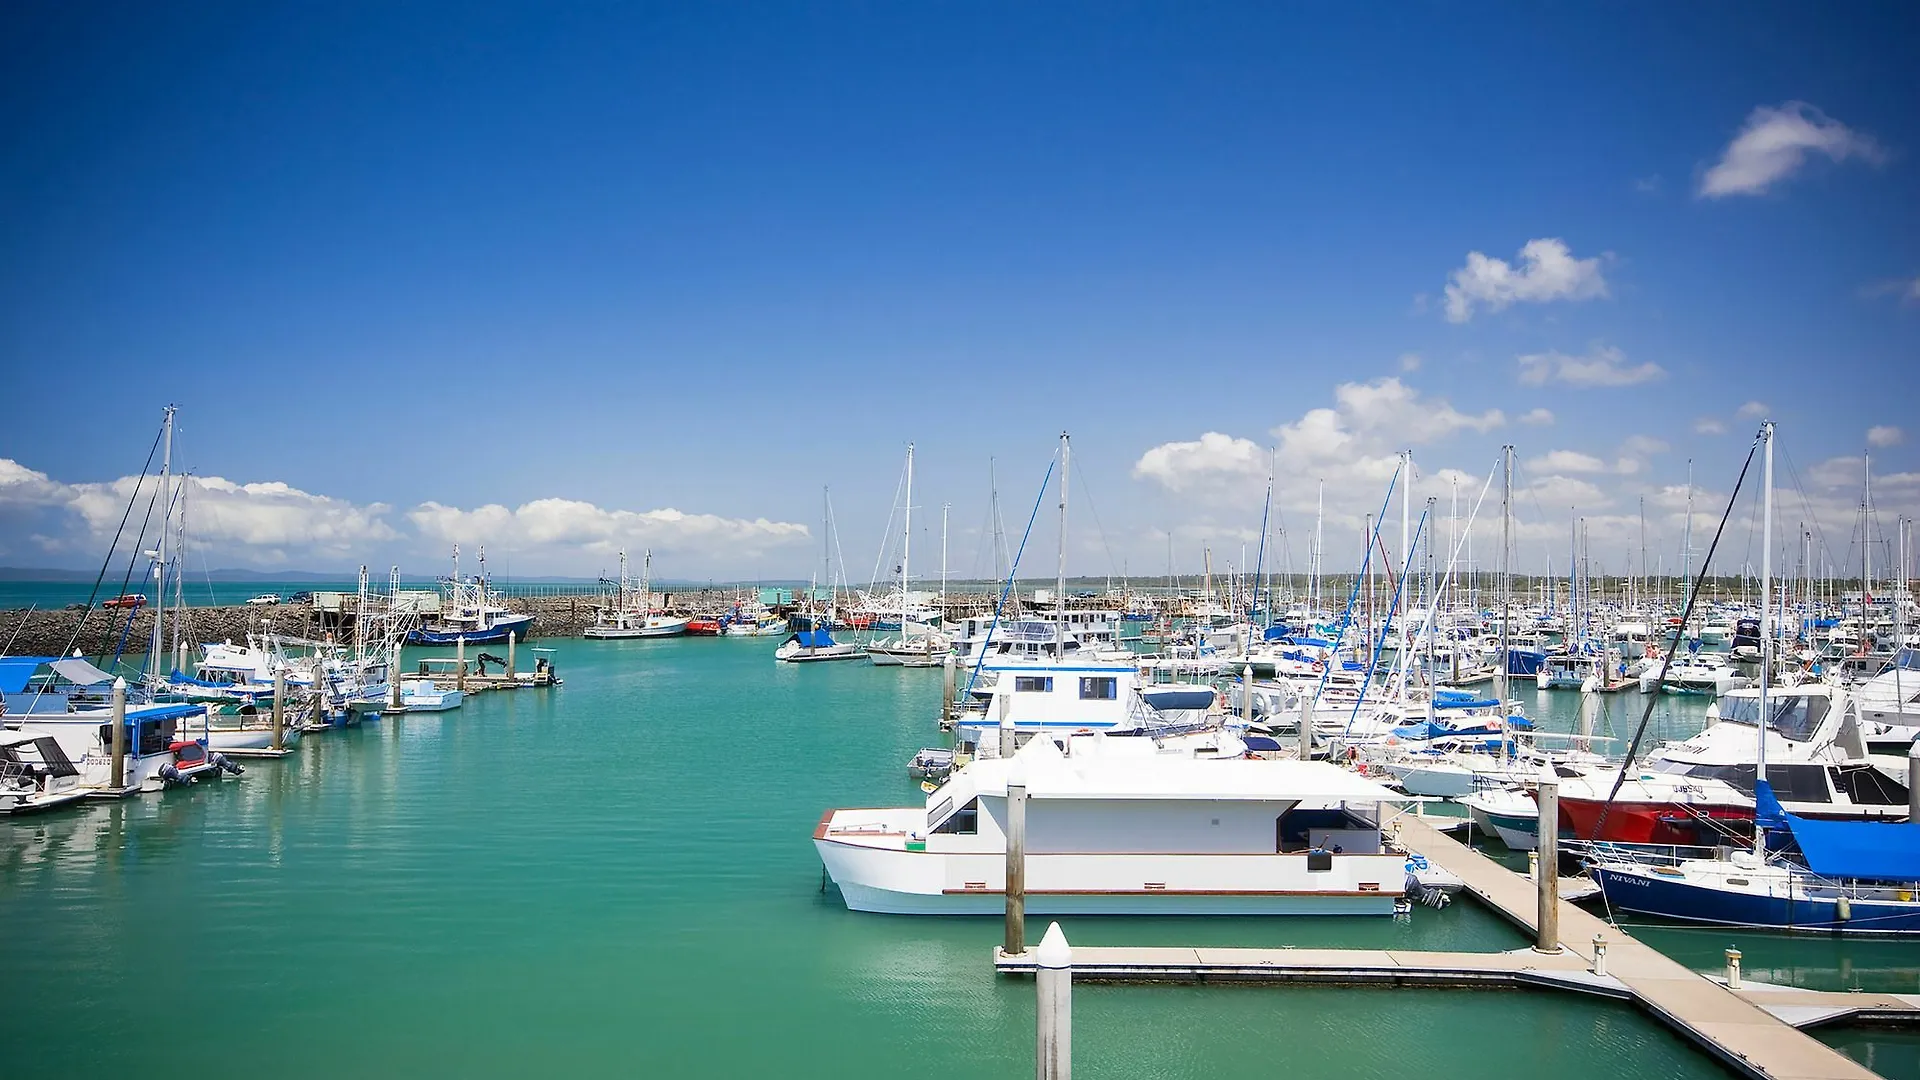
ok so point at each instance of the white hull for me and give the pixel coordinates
(251, 738)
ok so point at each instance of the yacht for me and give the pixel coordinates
(35, 774)
(630, 614)
(1115, 827)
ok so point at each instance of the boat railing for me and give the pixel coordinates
(1638, 854)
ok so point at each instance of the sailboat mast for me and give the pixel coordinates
(906, 550)
(166, 526)
(1399, 612)
(1686, 541)
(944, 508)
(1060, 568)
(1506, 580)
(1319, 546)
(1766, 616)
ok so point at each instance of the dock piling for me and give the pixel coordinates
(510, 641)
(1733, 969)
(118, 717)
(393, 680)
(1246, 695)
(319, 695)
(460, 663)
(1006, 726)
(279, 708)
(1600, 955)
(1306, 726)
(1053, 983)
(1913, 782)
(1547, 871)
(1016, 890)
(949, 675)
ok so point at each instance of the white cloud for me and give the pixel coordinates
(1644, 446)
(1213, 457)
(1707, 425)
(1604, 366)
(1557, 491)
(1567, 461)
(555, 525)
(1547, 271)
(1753, 410)
(1353, 446)
(1410, 361)
(272, 524)
(1885, 435)
(1537, 417)
(1775, 143)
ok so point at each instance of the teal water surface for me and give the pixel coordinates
(615, 876)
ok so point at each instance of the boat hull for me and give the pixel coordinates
(1646, 893)
(515, 625)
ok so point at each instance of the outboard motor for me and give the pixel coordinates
(172, 775)
(226, 764)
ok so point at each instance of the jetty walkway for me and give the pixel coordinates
(1754, 1030)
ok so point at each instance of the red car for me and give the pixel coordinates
(130, 600)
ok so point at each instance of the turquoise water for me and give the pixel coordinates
(616, 875)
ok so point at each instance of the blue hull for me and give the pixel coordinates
(517, 627)
(1678, 900)
(1524, 662)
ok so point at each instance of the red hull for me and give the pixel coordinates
(705, 628)
(1654, 823)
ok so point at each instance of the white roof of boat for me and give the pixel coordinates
(1052, 776)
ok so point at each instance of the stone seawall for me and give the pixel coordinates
(56, 633)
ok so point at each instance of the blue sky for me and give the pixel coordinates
(530, 274)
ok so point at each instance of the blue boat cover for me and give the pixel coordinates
(17, 671)
(1444, 702)
(1871, 850)
(815, 639)
(164, 712)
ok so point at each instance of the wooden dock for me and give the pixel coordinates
(1754, 1031)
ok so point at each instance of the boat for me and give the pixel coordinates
(814, 645)
(162, 747)
(1507, 812)
(631, 614)
(1114, 828)
(931, 763)
(706, 626)
(36, 775)
(424, 695)
(468, 613)
(757, 621)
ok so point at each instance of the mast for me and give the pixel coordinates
(1766, 617)
(1866, 553)
(646, 586)
(1399, 612)
(944, 507)
(1060, 568)
(166, 526)
(1686, 542)
(906, 549)
(1506, 579)
(1319, 548)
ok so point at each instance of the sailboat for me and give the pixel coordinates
(1838, 876)
(631, 614)
(919, 644)
(812, 640)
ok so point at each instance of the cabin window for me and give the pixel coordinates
(1032, 684)
(964, 822)
(1099, 688)
(1800, 783)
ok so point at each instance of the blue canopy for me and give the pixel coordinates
(814, 639)
(17, 671)
(1441, 701)
(164, 712)
(1873, 850)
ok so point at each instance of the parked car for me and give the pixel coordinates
(264, 600)
(302, 597)
(128, 600)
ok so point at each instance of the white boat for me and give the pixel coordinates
(165, 744)
(36, 775)
(810, 646)
(631, 614)
(1113, 828)
(757, 621)
(422, 695)
(1507, 812)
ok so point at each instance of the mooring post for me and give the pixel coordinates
(949, 674)
(1913, 782)
(1306, 726)
(1006, 726)
(460, 662)
(1600, 955)
(279, 708)
(510, 667)
(1548, 874)
(1246, 695)
(118, 715)
(319, 694)
(1733, 969)
(393, 680)
(1016, 890)
(1053, 983)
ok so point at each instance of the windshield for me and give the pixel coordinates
(1795, 717)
